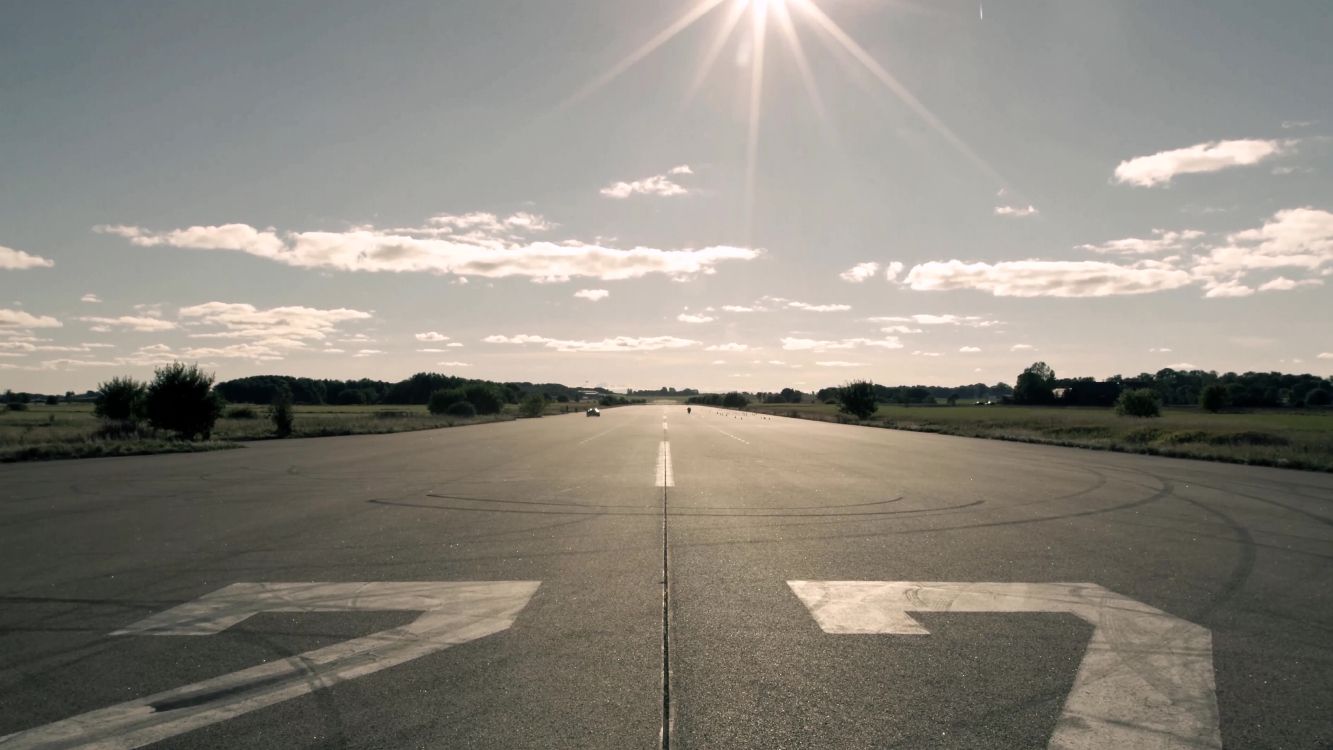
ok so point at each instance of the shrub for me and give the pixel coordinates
(120, 400)
(241, 412)
(562, 398)
(441, 400)
(1318, 397)
(532, 406)
(735, 400)
(17, 406)
(52, 400)
(1140, 402)
(181, 399)
(352, 397)
(280, 411)
(857, 398)
(1213, 398)
(484, 398)
(461, 409)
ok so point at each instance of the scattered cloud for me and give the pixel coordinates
(660, 185)
(1324, 355)
(730, 347)
(440, 249)
(592, 295)
(614, 344)
(839, 363)
(860, 272)
(18, 319)
(919, 353)
(286, 327)
(928, 319)
(90, 298)
(454, 364)
(1016, 212)
(1183, 366)
(797, 344)
(430, 336)
(17, 260)
(1289, 124)
(892, 270)
(692, 318)
(1048, 278)
(741, 309)
(1161, 241)
(1162, 167)
(900, 329)
(1159, 350)
(969, 349)
(1294, 238)
(1022, 348)
(1283, 284)
(367, 352)
(139, 323)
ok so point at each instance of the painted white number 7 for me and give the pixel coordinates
(1146, 680)
(451, 613)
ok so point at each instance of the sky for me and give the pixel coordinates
(717, 194)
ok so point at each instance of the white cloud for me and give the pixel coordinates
(592, 295)
(1283, 284)
(367, 352)
(660, 185)
(817, 308)
(741, 309)
(969, 349)
(1289, 124)
(614, 344)
(919, 353)
(900, 329)
(258, 352)
(797, 344)
(1300, 238)
(1022, 348)
(21, 319)
(1159, 350)
(892, 271)
(1048, 278)
(730, 347)
(453, 344)
(277, 328)
(860, 272)
(1016, 212)
(839, 363)
(1160, 168)
(333, 350)
(1228, 289)
(928, 319)
(1183, 366)
(430, 336)
(17, 260)
(1324, 355)
(1161, 241)
(692, 318)
(406, 251)
(454, 364)
(719, 362)
(140, 323)
(90, 298)
(432, 350)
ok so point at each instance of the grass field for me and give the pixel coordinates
(1299, 439)
(71, 431)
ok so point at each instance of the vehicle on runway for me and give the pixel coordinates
(594, 412)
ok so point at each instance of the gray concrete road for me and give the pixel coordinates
(826, 586)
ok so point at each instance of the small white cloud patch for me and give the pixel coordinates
(592, 295)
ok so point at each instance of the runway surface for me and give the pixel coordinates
(651, 578)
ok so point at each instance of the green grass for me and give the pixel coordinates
(1295, 438)
(71, 431)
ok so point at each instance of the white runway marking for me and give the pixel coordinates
(663, 473)
(1145, 681)
(452, 613)
(728, 434)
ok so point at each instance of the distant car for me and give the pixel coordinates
(593, 412)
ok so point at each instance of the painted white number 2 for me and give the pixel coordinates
(451, 613)
(1146, 679)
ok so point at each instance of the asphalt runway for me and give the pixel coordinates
(652, 577)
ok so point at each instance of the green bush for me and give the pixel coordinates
(735, 400)
(1318, 397)
(281, 412)
(181, 399)
(52, 400)
(461, 409)
(532, 406)
(17, 406)
(441, 400)
(120, 400)
(1140, 402)
(241, 412)
(1213, 398)
(484, 398)
(857, 398)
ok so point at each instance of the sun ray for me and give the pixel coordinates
(759, 29)
(834, 31)
(700, 9)
(729, 23)
(798, 55)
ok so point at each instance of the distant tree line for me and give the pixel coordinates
(261, 389)
(1038, 384)
(664, 391)
(732, 400)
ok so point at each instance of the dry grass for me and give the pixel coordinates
(1296, 438)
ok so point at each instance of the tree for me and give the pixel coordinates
(1034, 385)
(461, 409)
(1213, 398)
(484, 398)
(1318, 397)
(181, 399)
(441, 400)
(952, 400)
(735, 400)
(280, 411)
(532, 406)
(857, 398)
(120, 400)
(1140, 402)
(52, 400)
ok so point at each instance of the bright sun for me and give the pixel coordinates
(785, 14)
